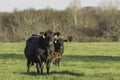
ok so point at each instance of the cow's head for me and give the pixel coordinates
(49, 37)
(70, 38)
(56, 35)
(59, 45)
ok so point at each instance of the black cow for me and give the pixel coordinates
(59, 49)
(30, 44)
(70, 38)
(40, 49)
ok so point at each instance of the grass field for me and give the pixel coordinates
(81, 61)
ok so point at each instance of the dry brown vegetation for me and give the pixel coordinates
(84, 24)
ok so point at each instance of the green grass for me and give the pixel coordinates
(81, 61)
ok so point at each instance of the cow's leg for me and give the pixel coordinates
(41, 67)
(48, 67)
(38, 68)
(32, 63)
(28, 65)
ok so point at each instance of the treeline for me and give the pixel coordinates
(85, 24)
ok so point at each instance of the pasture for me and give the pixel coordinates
(81, 61)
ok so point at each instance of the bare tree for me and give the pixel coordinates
(75, 6)
(109, 4)
(110, 16)
(55, 25)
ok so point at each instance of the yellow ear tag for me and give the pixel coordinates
(55, 41)
(43, 36)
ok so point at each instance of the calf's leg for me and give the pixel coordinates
(58, 62)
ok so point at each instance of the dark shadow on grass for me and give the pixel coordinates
(93, 58)
(30, 73)
(54, 73)
(12, 56)
(68, 73)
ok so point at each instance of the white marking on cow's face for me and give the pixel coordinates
(55, 41)
(61, 47)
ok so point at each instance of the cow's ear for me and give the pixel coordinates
(55, 33)
(41, 33)
(58, 33)
(45, 34)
